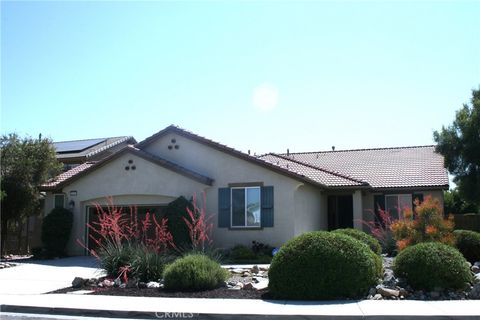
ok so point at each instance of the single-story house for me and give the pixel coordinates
(269, 198)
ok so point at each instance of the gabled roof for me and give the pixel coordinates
(319, 175)
(71, 175)
(292, 171)
(88, 147)
(382, 168)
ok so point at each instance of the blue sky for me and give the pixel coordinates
(262, 76)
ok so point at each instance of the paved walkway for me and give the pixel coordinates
(22, 288)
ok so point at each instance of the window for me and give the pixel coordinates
(396, 203)
(59, 201)
(245, 207)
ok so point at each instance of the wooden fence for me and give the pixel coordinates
(469, 221)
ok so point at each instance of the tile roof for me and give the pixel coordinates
(318, 175)
(65, 176)
(402, 167)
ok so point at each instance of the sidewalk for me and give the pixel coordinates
(152, 308)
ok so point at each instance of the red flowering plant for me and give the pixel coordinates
(118, 237)
(199, 225)
(426, 225)
(380, 229)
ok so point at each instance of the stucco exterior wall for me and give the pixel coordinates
(309, 210)
(148, 184)
(151, 184)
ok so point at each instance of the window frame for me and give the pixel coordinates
(55, 200)
(399, 210)
(246, 226)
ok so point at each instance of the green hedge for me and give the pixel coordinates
(468, 243)
(194, 272)
(56, 229)
(432, 265)
(323, 265)
(363, 237)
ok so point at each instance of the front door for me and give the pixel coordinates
(340, 212)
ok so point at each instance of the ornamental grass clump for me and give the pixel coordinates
(194, 272)
(323, 265)
(425, 224)
(363, 237)
(468, 243)
(432, 266)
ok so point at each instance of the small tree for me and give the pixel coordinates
(26, 163)
(459, 143)
(426, 224)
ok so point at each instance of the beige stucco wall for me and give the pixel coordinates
(150, 184)
(310, 212)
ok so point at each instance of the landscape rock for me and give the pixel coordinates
(248, 286)
(117, 282)
(386, 292)
(475, 269)
(378, 296)
(107, 283)
(255, 269)
(237, 271)
(475, 292)
(153, 284)
(78, 282)
(261, 285)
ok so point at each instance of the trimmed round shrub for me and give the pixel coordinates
(56, 229)
(323, 265)
(363, 237)
(468, 243)
(431, 265)
(194, 272)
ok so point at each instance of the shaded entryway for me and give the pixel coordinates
(340, 211)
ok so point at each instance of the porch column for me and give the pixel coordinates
(357, 210)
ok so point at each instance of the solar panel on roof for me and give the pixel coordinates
(76, 146)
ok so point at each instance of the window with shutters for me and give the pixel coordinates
(245, 207)
(249, 206)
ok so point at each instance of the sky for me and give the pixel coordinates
(259, 76)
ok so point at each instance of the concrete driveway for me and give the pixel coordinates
(42, 276)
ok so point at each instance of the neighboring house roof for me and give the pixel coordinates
(72, 175)
(383, 168)
(89, 147)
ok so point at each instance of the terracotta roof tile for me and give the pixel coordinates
(381, 168)
(53, 183)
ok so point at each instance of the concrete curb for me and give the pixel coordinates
(105, 313)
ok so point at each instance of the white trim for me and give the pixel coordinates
(245, 208)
